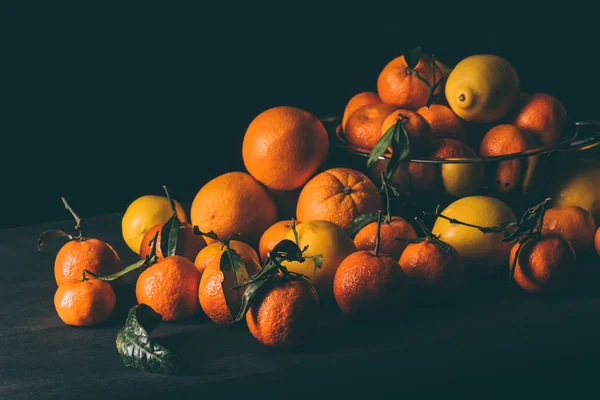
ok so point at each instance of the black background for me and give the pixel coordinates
(103, 102)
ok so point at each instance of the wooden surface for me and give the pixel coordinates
(493, 341)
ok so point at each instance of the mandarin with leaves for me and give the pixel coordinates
(283, 147)
(210, 292)
(215, 250)
(363, 128)
(369, 283)
(391, 228)
(407, 80)
(188, 244)
(85, 302)
(338, 195)
(417, 129)
(544, 263)
(170, 287)
(356, 102)
(432, 265)
(80, 253)
(285, 313)
(574, 223)
(274, 235)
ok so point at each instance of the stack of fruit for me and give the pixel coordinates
(272, 245)
(424, 109)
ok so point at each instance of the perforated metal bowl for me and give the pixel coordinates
(517, 179)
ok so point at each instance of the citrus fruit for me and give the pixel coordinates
(428, 267)
(458, 179)
(410, 177)
(366, 238)
(399, 86)
(84, 303)
(444, 122)
(142, 214)
(482, 88)
(506, 139)
(188, 244)
(210, 292)
(284, 146)
(92, 254)
(285, 314)
(233, 203)
(338, 195)
(480, 252)
(577, 184)
(544, 264)
(214, 250)
(356, 102)
(544, 117)
(574, 223)
(328, 240)
(369, 285)
(415, 125)
(170, 287)
(272, 236)
(363, 128)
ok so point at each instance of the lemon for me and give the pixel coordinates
(579, 185)
(461, 180)
(479, 251)
(327, 239)
(482, 88)
(142, 214)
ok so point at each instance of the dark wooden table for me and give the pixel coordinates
(493, 341)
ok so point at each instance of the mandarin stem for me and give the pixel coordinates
(74, 214)
(171, 201)
(378, 236)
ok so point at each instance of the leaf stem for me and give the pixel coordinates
(76, 217)
(378, 236)
(483, 229)
(295, 232)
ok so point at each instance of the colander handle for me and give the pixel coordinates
(587, 135)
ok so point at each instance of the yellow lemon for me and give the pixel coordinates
(327, 239)
(461, 180)
(142, 214)
(482, 88)
(579, 185)
(479, 251)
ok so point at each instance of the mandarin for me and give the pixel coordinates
(273, 236)
(356, 102)
(399, 86)
(170, 287)
(419, 132)
(338, 195)
(366, 238)
(544, 117)
(574, 223)
(363, 128)
(284, 147)
(544, 264)
(234, 203)
(444, 122)
(84, 303)
(214, 250)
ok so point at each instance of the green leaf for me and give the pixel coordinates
(287, 250)
(412, 56)
(211, 234)
(400, 148)
(382, 145)
(234, 272)
(249, 294)
(49, 235)
(125, 271)
(360, 222)
(138, 350)
(169, 235)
